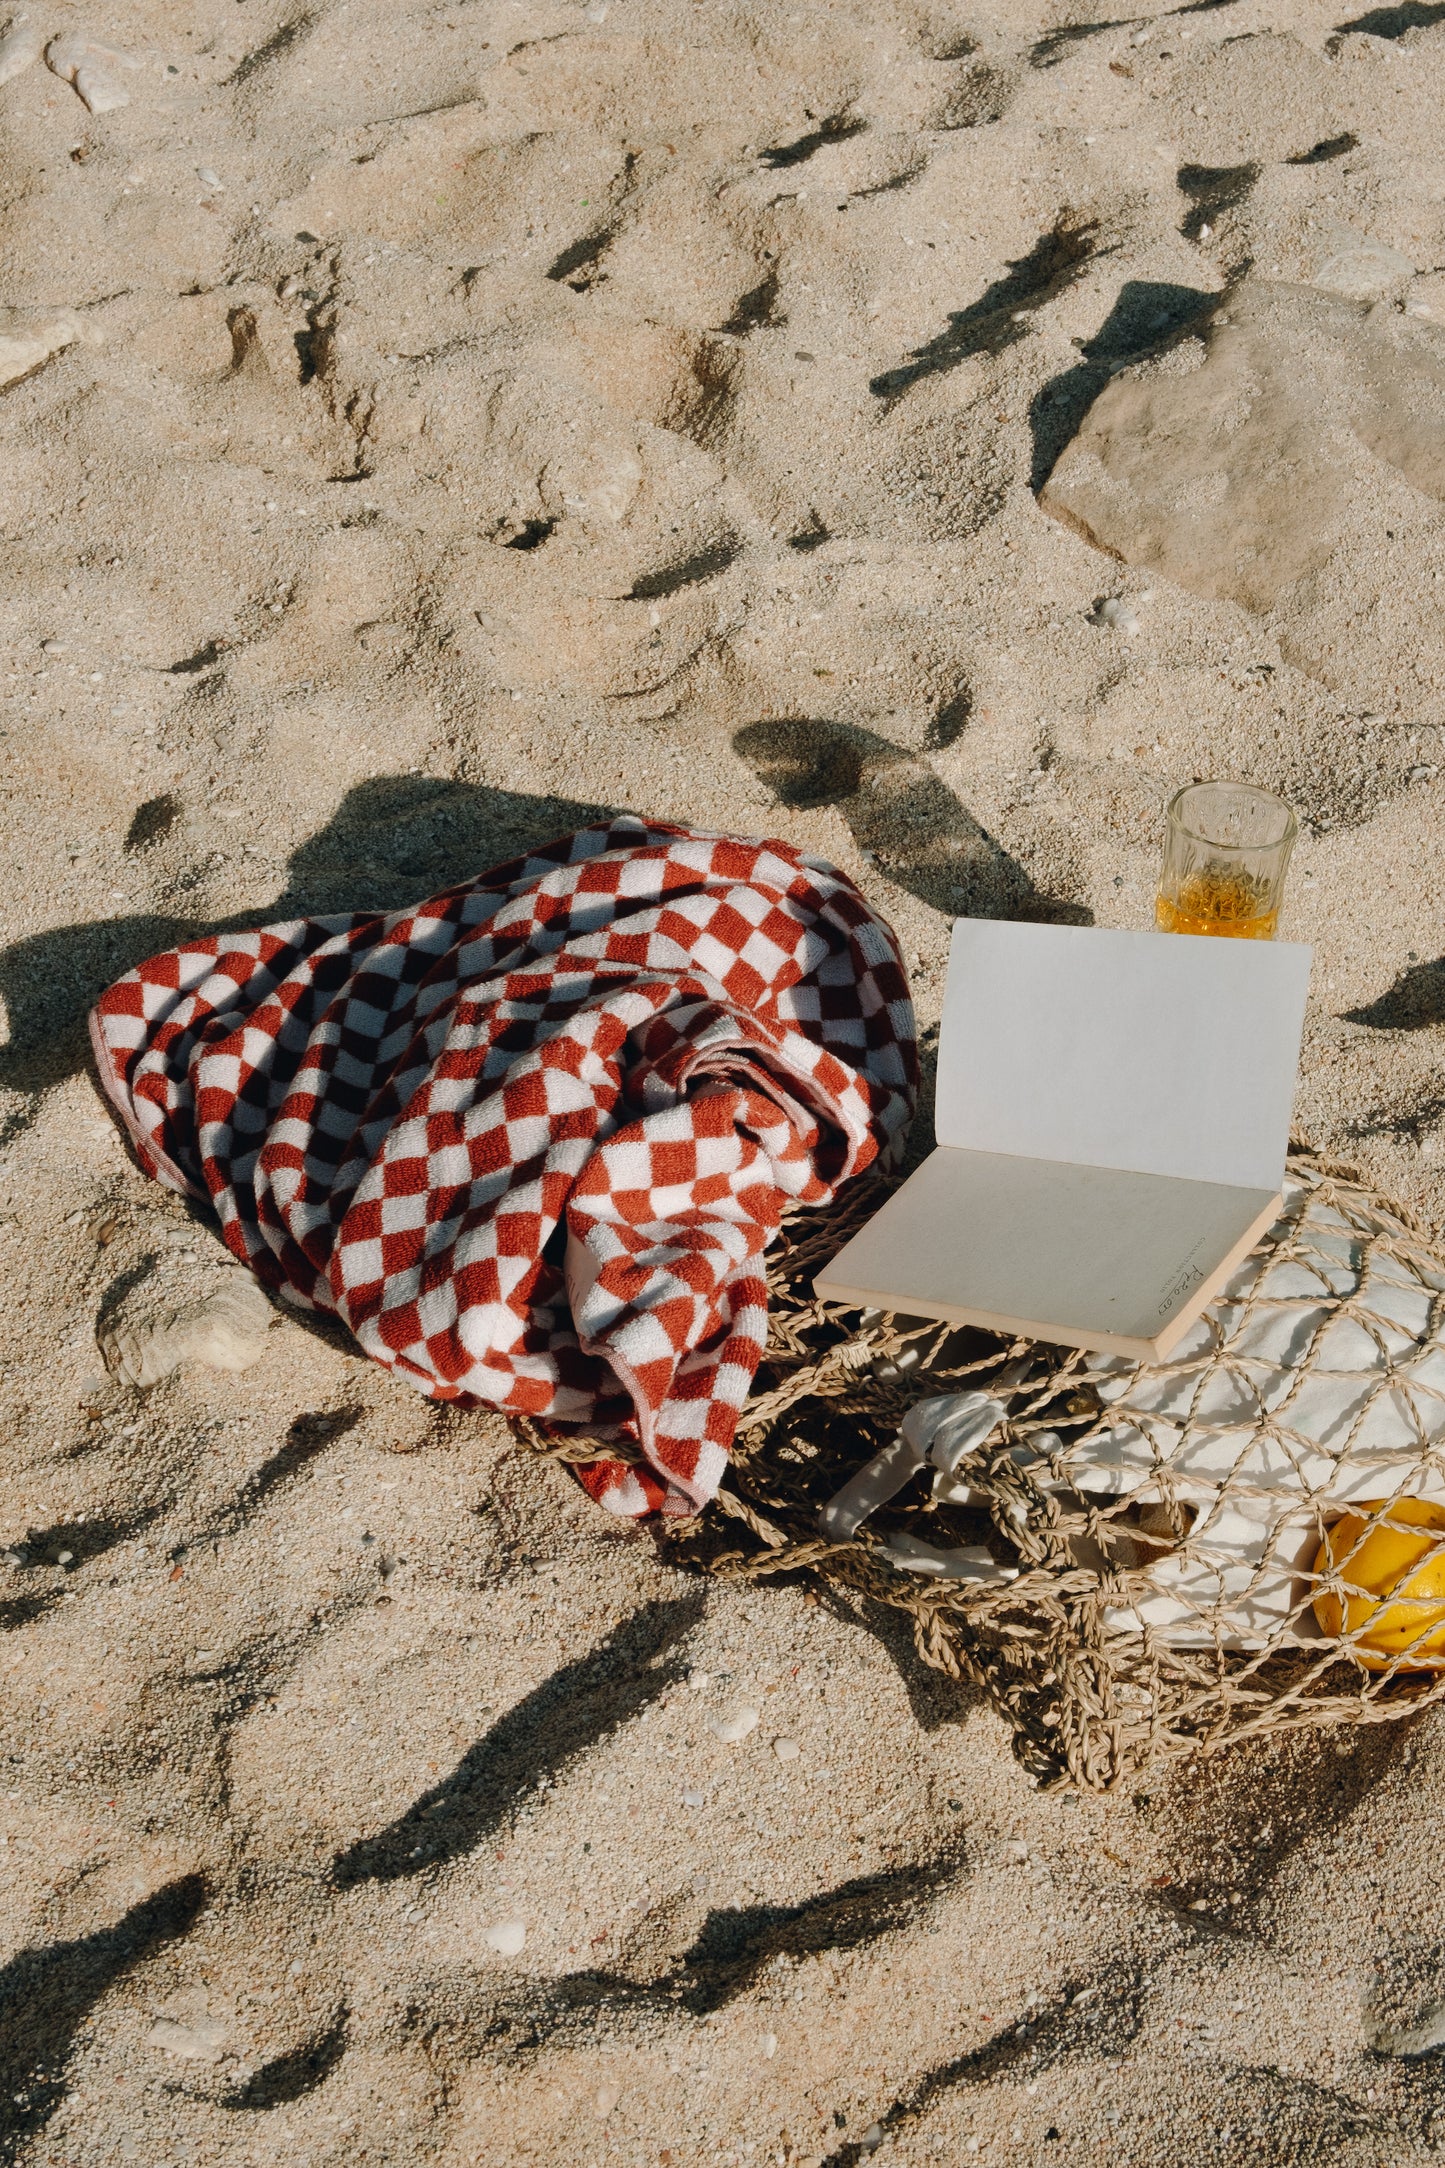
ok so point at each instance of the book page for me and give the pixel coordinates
(1162, 1053)
(1086, 1255)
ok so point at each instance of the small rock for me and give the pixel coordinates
(201, 2042)
(210, 179)
(1360, 268)
(29, 338)
(692, 1799)
(732, 1729)
(19, 49)
(697, 1680)
(770, 2046)
(13, 1556)
(87, 66)
(787, 1749)
(65, 1558)
(1118, 614)
(872, 2138)
(225, 1330)
(1426, 2033)
(1018, 1852)
(607, 2098)
(506, 1938)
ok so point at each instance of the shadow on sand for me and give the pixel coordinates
(391, 841)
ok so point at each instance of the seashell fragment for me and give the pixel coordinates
(203, 2042)
(225, 1330)
(18, 48)
(1119, 616)
(732, 1730)
(85, 64)
(506, 1938)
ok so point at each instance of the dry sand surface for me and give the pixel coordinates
(431, 420)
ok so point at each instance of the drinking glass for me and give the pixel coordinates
(1226, 850)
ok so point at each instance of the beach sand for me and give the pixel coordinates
(460, 417)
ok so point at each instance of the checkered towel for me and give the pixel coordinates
(530, 1139)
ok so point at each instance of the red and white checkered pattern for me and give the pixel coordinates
(530, 1139)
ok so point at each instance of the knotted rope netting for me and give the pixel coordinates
(1169, 1526)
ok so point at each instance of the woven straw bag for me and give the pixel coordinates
(1124, 1555)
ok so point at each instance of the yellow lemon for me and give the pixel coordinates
(1382, 1567)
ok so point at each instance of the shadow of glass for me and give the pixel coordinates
(902, 815)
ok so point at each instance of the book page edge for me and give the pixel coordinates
(1024, 1328)
(1155, 1349)
(1168, 1339)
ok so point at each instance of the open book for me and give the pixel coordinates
(1112, 1118)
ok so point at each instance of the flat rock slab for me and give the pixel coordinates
(1290, 457)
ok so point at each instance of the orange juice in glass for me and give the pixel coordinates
(1226, 851)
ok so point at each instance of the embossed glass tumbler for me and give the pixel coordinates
(1226, 851)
